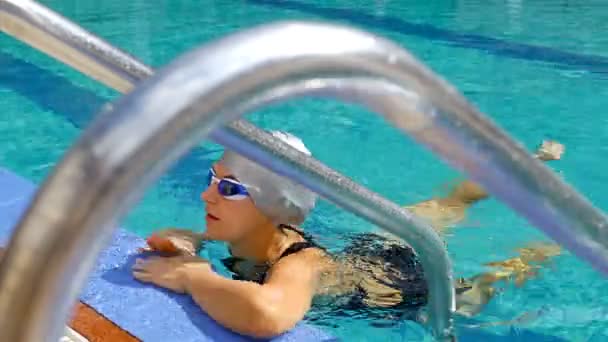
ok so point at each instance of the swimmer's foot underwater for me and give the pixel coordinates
(474, 293)
(278, 269)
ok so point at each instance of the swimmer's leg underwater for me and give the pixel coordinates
(443, 212)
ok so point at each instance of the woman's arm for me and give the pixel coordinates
(258, 310)
(245, 307)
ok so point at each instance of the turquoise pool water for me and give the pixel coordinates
(539, 69)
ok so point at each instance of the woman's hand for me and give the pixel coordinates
(174, 241)
(170, 272)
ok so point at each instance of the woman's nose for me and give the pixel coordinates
(210, 194)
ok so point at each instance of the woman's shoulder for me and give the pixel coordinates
(304, 254)
(305, 249)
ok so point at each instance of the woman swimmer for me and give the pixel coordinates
(278, 269)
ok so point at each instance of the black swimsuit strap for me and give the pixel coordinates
(294, 229)
(295, 247)
(309, 240)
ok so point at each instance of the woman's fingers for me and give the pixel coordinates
(143, 277)
(139, 266)
(145, 264)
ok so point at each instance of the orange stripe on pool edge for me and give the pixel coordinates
(96, 328)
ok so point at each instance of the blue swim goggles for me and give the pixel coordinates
(229, 188)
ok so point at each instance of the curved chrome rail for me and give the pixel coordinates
(38, 26)
(463, 137)
(58, 37)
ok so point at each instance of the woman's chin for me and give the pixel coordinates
(211, 235)
(208, 235)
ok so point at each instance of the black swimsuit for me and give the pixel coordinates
(401, 267)
(399, 262)
(258, 272)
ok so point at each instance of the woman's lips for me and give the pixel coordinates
(211, 217)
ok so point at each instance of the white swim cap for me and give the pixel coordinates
(281, 199)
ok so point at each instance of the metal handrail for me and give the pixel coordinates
(64, 40)
(55, 35)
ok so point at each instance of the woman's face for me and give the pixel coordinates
(229, 220)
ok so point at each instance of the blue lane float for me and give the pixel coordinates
(149, 313)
